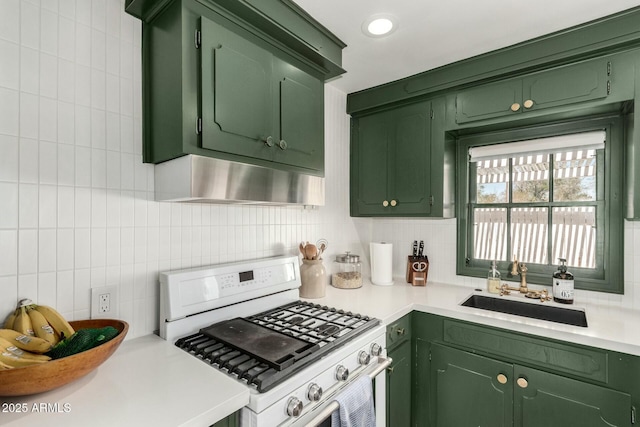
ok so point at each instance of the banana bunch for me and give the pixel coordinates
(11, 356)
(30, 331)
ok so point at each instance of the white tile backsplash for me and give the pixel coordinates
(77, 201)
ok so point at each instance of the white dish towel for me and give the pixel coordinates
(356, 405)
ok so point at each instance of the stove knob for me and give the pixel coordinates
(294, 407)
(342, 373)
(376, 350)
(363, 358)
(315, 392)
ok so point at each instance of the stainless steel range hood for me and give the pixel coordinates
(201, 179)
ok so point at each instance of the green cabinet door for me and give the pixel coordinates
(256, 105)
(571, 84)
(410, 155)
(488, 101)
(542, 399)
(399, 386)
(466, 390)
(369, 172)
(391, 158)
(300, 140)
(237, 95)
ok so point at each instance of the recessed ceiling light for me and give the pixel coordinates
(379, 25)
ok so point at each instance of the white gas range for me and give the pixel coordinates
(246, 319)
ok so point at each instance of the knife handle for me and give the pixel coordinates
(415, 248)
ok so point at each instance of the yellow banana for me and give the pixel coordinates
(8, 324)
(6, 346)
(22, 323)
(55, 319)
(25, 342)
(41, 327)
(11, 359)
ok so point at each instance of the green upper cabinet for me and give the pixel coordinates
(235, 81)
(256, 105)
(399, 162)
(390, 155)
(571, 84)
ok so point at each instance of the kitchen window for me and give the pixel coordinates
(543, 193)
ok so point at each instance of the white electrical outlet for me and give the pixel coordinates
(104, 302)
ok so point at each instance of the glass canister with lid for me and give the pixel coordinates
(347, 271)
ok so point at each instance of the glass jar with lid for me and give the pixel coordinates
(347, 271)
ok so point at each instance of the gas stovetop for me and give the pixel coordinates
(267, 348)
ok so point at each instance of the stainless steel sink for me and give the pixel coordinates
(535, 310)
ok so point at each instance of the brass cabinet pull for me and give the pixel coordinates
(502, 378)
(528, 104)
(385, 203)
(268, 141)
(393, 203)
(390, 369)
(282, 144)
(523, 383)
(515, 107)
(400, 331)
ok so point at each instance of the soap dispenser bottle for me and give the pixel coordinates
(563, 284)
(493, 279)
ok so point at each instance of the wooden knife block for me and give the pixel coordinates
(417, 278)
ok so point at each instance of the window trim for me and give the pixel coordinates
(611, 279)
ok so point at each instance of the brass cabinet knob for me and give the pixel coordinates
(528, 103)
(515, 107)
(400, 331)
(523, 383)
(268, 141)
(282, 144)
(385, 203)
(393, 203)
(390, 369)
(502, 378)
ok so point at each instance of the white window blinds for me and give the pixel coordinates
(578, 141)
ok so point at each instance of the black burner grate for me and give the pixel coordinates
(269, 347)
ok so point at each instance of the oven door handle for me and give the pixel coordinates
(383, 363)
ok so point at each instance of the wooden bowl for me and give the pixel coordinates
(55, 373)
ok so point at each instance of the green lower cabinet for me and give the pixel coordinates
(399, 386)
(230, 421)
(542, 399)
(468, 389)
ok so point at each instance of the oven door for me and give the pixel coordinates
(321, 415)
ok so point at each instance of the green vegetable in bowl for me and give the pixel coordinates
(82, 340)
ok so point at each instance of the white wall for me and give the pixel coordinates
(440, 246)
(76, 207)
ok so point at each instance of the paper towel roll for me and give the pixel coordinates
(381, 263)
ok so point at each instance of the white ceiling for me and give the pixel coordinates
(434, 33)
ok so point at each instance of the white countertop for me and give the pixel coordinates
(609, 328)
(147, 382)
